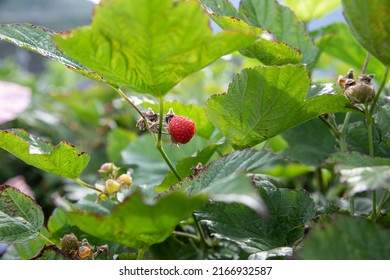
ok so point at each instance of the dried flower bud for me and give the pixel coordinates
(360, 93)
(69, 243)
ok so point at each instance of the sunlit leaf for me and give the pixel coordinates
(265, 101)
(310, 9)
(369, 22)
(63, 159)
(151, 45)
(39, 39)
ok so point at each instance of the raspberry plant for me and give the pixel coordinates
(280, 166)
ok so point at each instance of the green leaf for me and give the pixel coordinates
(362, 172)
(151, 45)
(136, 223)
(316, 138)
(265, 101)
(117, 141)
(307, 10)
(222, 180)
(39, 39)
(281, 22)
(347, 238)
(185, 167)
(21, 218)
(288, 210)
(62, 160)
(382, 117)
(267, 49)
(24, 250)
(369, 22)
(198, 114)
(337, 41)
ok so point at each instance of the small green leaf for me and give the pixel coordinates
(281, 22)
(263, 102)
(62, 160)
(222, 180)
(382, 117)
(267, 49)
(288, 210)
(21, 218)
(369, 22)
(39, 39)
(151, 45)
(347, 238)
(307, 10)
(136, 223)
(362, 172)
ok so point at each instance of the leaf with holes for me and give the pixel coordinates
(62, 160)
(21, 218)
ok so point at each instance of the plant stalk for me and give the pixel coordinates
(84, 184)
(343, 134)
(159, 141)
(45, 239)
(140, 254)
(352, 206)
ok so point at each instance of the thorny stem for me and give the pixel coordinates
(84, 184)
(159, 141)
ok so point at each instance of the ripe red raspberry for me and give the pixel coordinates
(182, 129)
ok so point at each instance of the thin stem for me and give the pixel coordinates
(381, 87)
(352, 205)
(140, 254)
(84, 184)
(159, 141)
(370, 141)
(374, 212)
(124, 96)
(364, 68)
(186, 234)
(45, 239)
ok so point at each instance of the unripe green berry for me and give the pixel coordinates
(69, 243)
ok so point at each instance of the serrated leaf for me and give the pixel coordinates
(137, 223)
(281, 22)
(151, 45)
(62, 160)
(265, 101)
(39, 39)
(21, 218)
(222, 180)
(267, 49)
(307, 10)
(347, 238)
(362, 172)
(288, 210)
(369, 22)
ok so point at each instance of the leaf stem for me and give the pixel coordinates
(374, 208)
(366, 61)
(84, 184)
(186, 234)
(159, 145)
(352, 205)
(127, 99)
(140, 254)
(45, 239)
